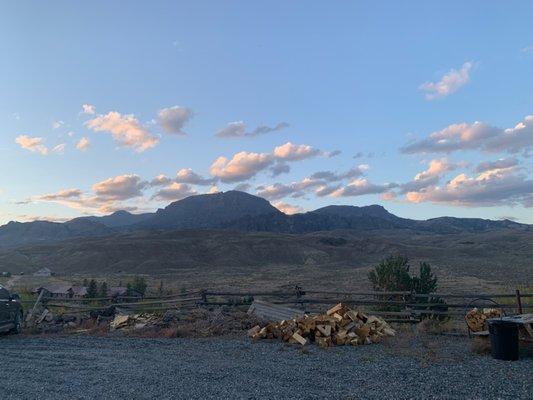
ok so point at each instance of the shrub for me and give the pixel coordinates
(393, 275)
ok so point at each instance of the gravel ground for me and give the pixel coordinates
(132, 368)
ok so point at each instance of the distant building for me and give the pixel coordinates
(43, 272)
(62, 291)
(79, 291)
(120, 291)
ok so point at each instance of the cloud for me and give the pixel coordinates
(330, 176)
(280, 190)
(48, 218)
(319, 182)
(33, 144)
(502, 163)
(449, 83)
(59, 149)
(238, 129)
(476, 136)
(294, 152)
(360, 187)
(125, 129)
(241, 167)
(108, 195)
(88, 109)
(527, 49)
(333, 153)
(120, 187)
(173, 192)
(61, 195)
(288, 208)
(160, 180)
(187, 175)
(57, 124)
(494, 187)
(431, 176)
(83, 144)
(280, 168)
(173, 119)
(243, 187)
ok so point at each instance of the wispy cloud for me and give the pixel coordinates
(88, 109)
(83, 144)
(33, 144)
(237, 129)
(450, 82)
(57, 124)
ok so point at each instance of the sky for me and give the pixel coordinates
(423, 107)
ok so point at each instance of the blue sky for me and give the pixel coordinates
(372, 80)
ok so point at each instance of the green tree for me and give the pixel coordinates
(92, 290)
(426, 282)
(138, 285)
(391, 275)
(103, 289)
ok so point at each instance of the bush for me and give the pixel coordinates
(393, 275)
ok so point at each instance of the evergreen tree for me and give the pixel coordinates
(426, 282)
(103, 289)
(92, 290)
(139, 285)
(391, 275)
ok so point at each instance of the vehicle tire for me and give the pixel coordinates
(18, 325)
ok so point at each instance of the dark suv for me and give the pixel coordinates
(10, 312)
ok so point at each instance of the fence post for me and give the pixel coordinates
(518, 301)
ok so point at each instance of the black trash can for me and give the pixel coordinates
(503, 339)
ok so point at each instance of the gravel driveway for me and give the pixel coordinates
(130, 368)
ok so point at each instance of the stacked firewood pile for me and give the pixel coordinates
(476, 318)
(339, 326)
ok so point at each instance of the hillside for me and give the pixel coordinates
(207, 257)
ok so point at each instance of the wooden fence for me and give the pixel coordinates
(394, 306)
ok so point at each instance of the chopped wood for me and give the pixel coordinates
(476, 318)
(333, 310)
(299, 338)
(338, 326)
(254, 331)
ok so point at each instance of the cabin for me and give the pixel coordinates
(62, 291)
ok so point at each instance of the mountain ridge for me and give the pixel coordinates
(240, 211)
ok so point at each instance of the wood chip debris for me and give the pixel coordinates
(339, 326)
(475, 318)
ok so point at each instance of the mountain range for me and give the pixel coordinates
(240, 211)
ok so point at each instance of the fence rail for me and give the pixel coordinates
(394, 306)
